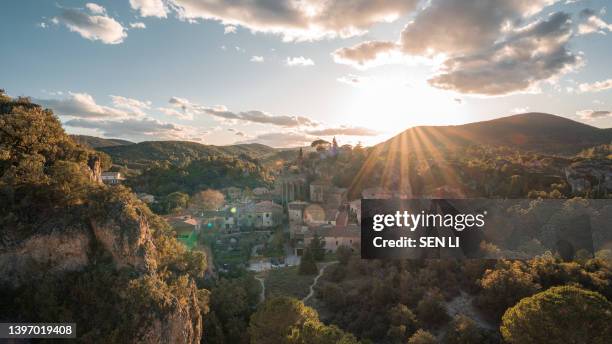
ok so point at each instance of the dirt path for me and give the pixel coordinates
(316, 280)
(262, 296)
(462, 304)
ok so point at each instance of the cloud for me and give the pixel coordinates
(257, 59)
(453, 27)
(229, 29)
(295, 20)
(353, 80)
(596, 86)
(150, 8)
(175, 113)
(533, 53)
(96, 26)
(83, 105)
(299, 61)
(133, 105)
(590, 115)
(138, 25)
(95, 8)
(344, 130)
(253, 116)
(592, 22)
(486, 47)
(133, 128)
(364, 54)
(282, 139)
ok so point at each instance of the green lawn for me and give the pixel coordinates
(287, 282)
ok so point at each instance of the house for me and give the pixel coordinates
(268, 214)
(186, 228)
(218, 219)
(318, 188)
(376, 193)
(335, 236)
(112, 178)
(295, 210)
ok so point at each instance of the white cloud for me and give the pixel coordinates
(299, 61)
(365, 54)
(95, 27)
(257, 59)
(150, 8)
(589, 115)
(134, 129)
(133, 105)
(344, 130)
(229, 29)
(176, 113)
(95, 8)
(297, 20)
(353, 80)
(83, 105)
(596, 86)
(138, 25)
(42, 25)
(282, 139)
(592, 22)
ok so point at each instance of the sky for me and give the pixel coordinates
(284, 73)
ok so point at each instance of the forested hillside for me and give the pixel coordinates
(75, 250)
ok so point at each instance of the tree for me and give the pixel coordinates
(285, 320)
(565, 314)
(422, 337)
(344, 254)
(320, 145)
(317, 247)
(176, 201)
(504, 286)
(464, 330)
(402, 323)
(208, 199)
(308, 265)
(431, 309)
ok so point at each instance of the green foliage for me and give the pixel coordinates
(215, 172)
(232, 302)
(344, 254)
(564, 314)
(504, 286)
(422, 337)
(308, 264)
(431, 310)
(287, 321)
(317, 248)
(402, 323)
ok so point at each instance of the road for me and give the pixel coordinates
(316, 280)
(262, 296)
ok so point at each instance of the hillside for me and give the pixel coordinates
(141, 154)
(530, 131)
(98, 142)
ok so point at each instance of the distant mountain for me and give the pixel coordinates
(141, 154)
(539, 132)
(98, 142)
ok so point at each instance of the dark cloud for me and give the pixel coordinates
(253, 116)
(534, 53)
